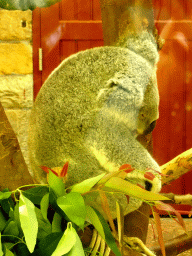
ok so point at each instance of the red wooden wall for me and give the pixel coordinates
(75, 25)
(173, 133)
(62, 29)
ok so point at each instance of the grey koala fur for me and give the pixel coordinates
(89, 110)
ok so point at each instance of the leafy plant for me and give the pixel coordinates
(25, 5)
(45, 219)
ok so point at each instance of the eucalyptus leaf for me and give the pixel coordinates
(44, 205)
(5, 195)
(74, 207)
(93, 218)
(67, 241)
(56, 223)
(56, 184)
(130, 189)
(87, 184)
(109, 239)
(28, 221)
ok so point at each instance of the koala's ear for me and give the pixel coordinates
(105, 92)
(126, 88)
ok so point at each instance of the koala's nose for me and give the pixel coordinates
(150, 128)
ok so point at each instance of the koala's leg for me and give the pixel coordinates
(113, 144)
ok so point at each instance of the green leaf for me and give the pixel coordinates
(109, 239)
(1, 251)
(56, 184)
(44, 205)
(35, 194)
(28, 221)
(130, 189)
(5, 195)
(56, 223)
(43, 224)
(25, 5)
(77, 249)
(7, 205)
(17, 219)
(2, 221)
(74, 207)
(67, 241)
(48, 244)
(11, 229)
(93, 218)
(20, 249)
(9, 246)
(8, 252)
(86, 185)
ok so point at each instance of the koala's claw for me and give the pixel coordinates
(98, 245)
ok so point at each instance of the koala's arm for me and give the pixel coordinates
(112, 139)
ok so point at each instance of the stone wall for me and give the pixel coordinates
(16, 72)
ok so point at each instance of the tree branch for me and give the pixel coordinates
(175, 246)
(177, 167)
(179, 199)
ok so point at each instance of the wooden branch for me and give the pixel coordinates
(175, 246)
(179, 199)
(177, 167)
(13, 169)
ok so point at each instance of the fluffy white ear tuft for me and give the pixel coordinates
(127, 89)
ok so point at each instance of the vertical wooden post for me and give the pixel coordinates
(121, 15)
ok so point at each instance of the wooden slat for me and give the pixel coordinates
(82, 30)
(36, 45)
(50, 39)
(84, 9)
(67, 48)
(68, 10)
(96, 10)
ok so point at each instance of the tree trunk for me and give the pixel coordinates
(118, 16)
(13, 169)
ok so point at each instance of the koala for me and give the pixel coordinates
(91, 109)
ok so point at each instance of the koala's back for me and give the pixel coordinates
(67, 104)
